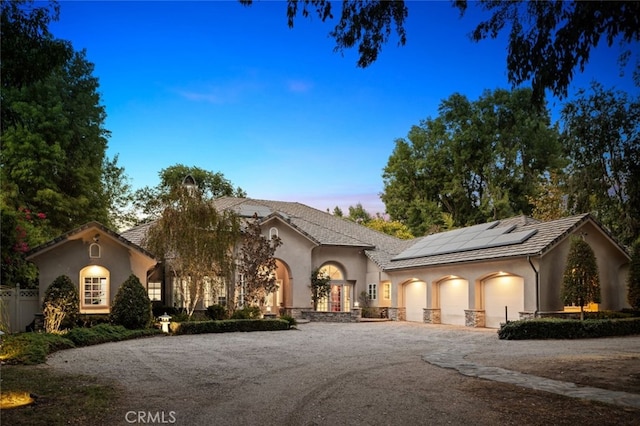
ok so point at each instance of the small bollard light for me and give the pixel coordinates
(356, 304)
(165, 320)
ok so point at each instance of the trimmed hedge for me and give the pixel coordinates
(228, 326)
(104, 333)
(568, 329)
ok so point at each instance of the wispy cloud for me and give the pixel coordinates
(299, 86)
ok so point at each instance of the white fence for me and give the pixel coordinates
(18, 307)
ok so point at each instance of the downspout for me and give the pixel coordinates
(535, 314)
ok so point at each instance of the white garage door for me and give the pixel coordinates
(415, 297)
(500, 292)
(454, 299)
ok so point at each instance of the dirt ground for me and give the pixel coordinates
(352, 374)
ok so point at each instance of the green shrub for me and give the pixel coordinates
(91, 320)
(131, 306)
(31, 348)
(227, 326)
(106, 333)
(291, 320)
(61, 304)
(248, 312)
(568, 329)
(217, 312)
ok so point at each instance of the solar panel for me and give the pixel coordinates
(472, 238)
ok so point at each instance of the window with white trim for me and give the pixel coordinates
(372, 291)
(94, 289)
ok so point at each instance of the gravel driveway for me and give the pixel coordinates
(329, 374)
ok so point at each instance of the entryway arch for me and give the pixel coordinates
(453, 297)
(502, 298)
(415, 300)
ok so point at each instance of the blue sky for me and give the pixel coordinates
(232, 89)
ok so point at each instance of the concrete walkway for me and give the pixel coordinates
(456, 361)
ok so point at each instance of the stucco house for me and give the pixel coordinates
(477, 276)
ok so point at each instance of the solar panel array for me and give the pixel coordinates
(475, 237)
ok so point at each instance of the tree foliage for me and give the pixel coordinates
(61, 302)
(320, 286)
(477, 161)
(390, 227)
(131, 305)
(602, 137)
(367, 24)
(197, 242)
(257, 264)
(580, 282)
(550, 40)
(52, 158)
(633, 281)
(550, 199)
(149, 201)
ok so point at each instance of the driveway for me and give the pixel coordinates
(385, 373)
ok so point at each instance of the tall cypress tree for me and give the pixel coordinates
(580, 283)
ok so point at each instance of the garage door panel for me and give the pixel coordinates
(500, 292)
(454, 296)
(415, 296)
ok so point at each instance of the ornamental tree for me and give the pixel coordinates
(61, 302)
(580, 283)
(633, 282)
(196, 241)
(320, 286)
(131, 306)
(257, 264)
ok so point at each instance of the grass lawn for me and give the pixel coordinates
(60, 399)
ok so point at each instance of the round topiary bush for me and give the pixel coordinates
(61, 303)
(131, 306)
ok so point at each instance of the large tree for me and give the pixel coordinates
(149, 201)
(580, 282)
(197, 242)
(477, 161)
(257, 264)
(52, 159)
(602, 137)
(549, 41)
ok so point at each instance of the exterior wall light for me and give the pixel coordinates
(165, 320)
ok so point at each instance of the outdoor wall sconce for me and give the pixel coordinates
(356, 304)
(165, 320)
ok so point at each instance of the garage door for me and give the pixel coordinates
(454, 299)
(500, 292)
(415, 296)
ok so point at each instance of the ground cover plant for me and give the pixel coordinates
(33, 348)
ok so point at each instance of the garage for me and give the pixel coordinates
(454, 299)
(499, 292)
(415, 296)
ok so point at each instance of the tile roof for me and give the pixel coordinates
(323, 228)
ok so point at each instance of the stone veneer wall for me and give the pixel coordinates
(354, 316)
(432, 316)
(474, 318)
(397, 314)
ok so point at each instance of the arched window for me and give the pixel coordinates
(339, 298)
(273, 232)
(94, 251)
(94, 289)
